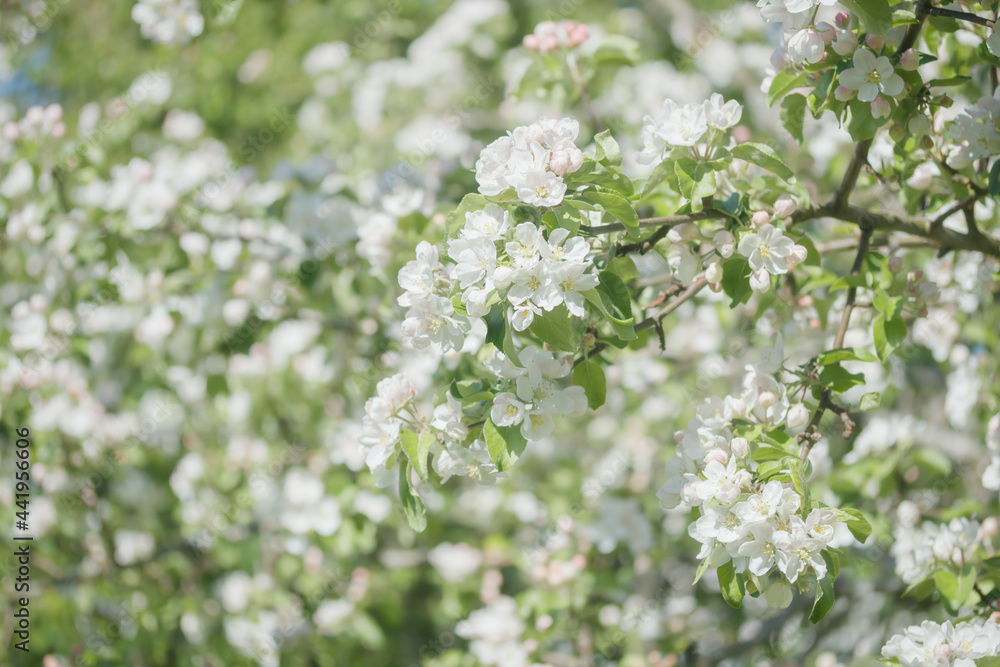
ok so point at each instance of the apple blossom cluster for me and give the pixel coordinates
(495, 633)
(920, 551)
(805, 40)
(549, 36)
(38, 122)
(537, 274)
(385, 414)
(686, 127)
(536, 395)
(168, 21)
(452, 456)
(977, 132)
(945, 644)
(759, 525)
(431, 320)
(532, 160)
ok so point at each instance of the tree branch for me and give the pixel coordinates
(974, 240)
(961, 16)
(664, 221)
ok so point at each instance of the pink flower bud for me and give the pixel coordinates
(717, 455)
(11, 131)
(895, 263)
(785, 206)
(761, 218)
(58, 130)
(842, 19)
(876, 42)
(766, 399)
(826, 31)
(740, 447)
(530, 42)
(880, 107)
(910, 60)
(805, 301)
(843, 94)
(845, 44)
(915, 275)
(579, 34)
(995, 617)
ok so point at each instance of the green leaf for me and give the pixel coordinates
(797, 473)
(838, 379)
(995, 179)
(661, 172)
(824, 596)
(608, 152)
(844, 354)
(504, 443)
(731, 584)
(612, 299)
(870, 401)
(861, 124)
(769, 453)
(793, 115)
(617, 206)
(696, 180)
(413, 506)
(903, 17)
(764, 156)
(736, 279)
(876, 15)
(614, 287)
(416, 449)
(856, 523)
(784, 82)
(590, 376)
(557, 328)
(496, 325)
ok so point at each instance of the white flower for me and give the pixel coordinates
(806, 45)
(798, 552)
(541, 188)
(871, 75)
(723, 483)
(761, 550)
(767, 249)
(568, 280)
(491, 222)
(507, 410)
(168, 21)
(431, 322)
(721, 114)
(475, 259)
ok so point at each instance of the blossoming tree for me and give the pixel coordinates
(589, 349)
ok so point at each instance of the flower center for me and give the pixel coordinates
(542, 191)
(874, 77)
